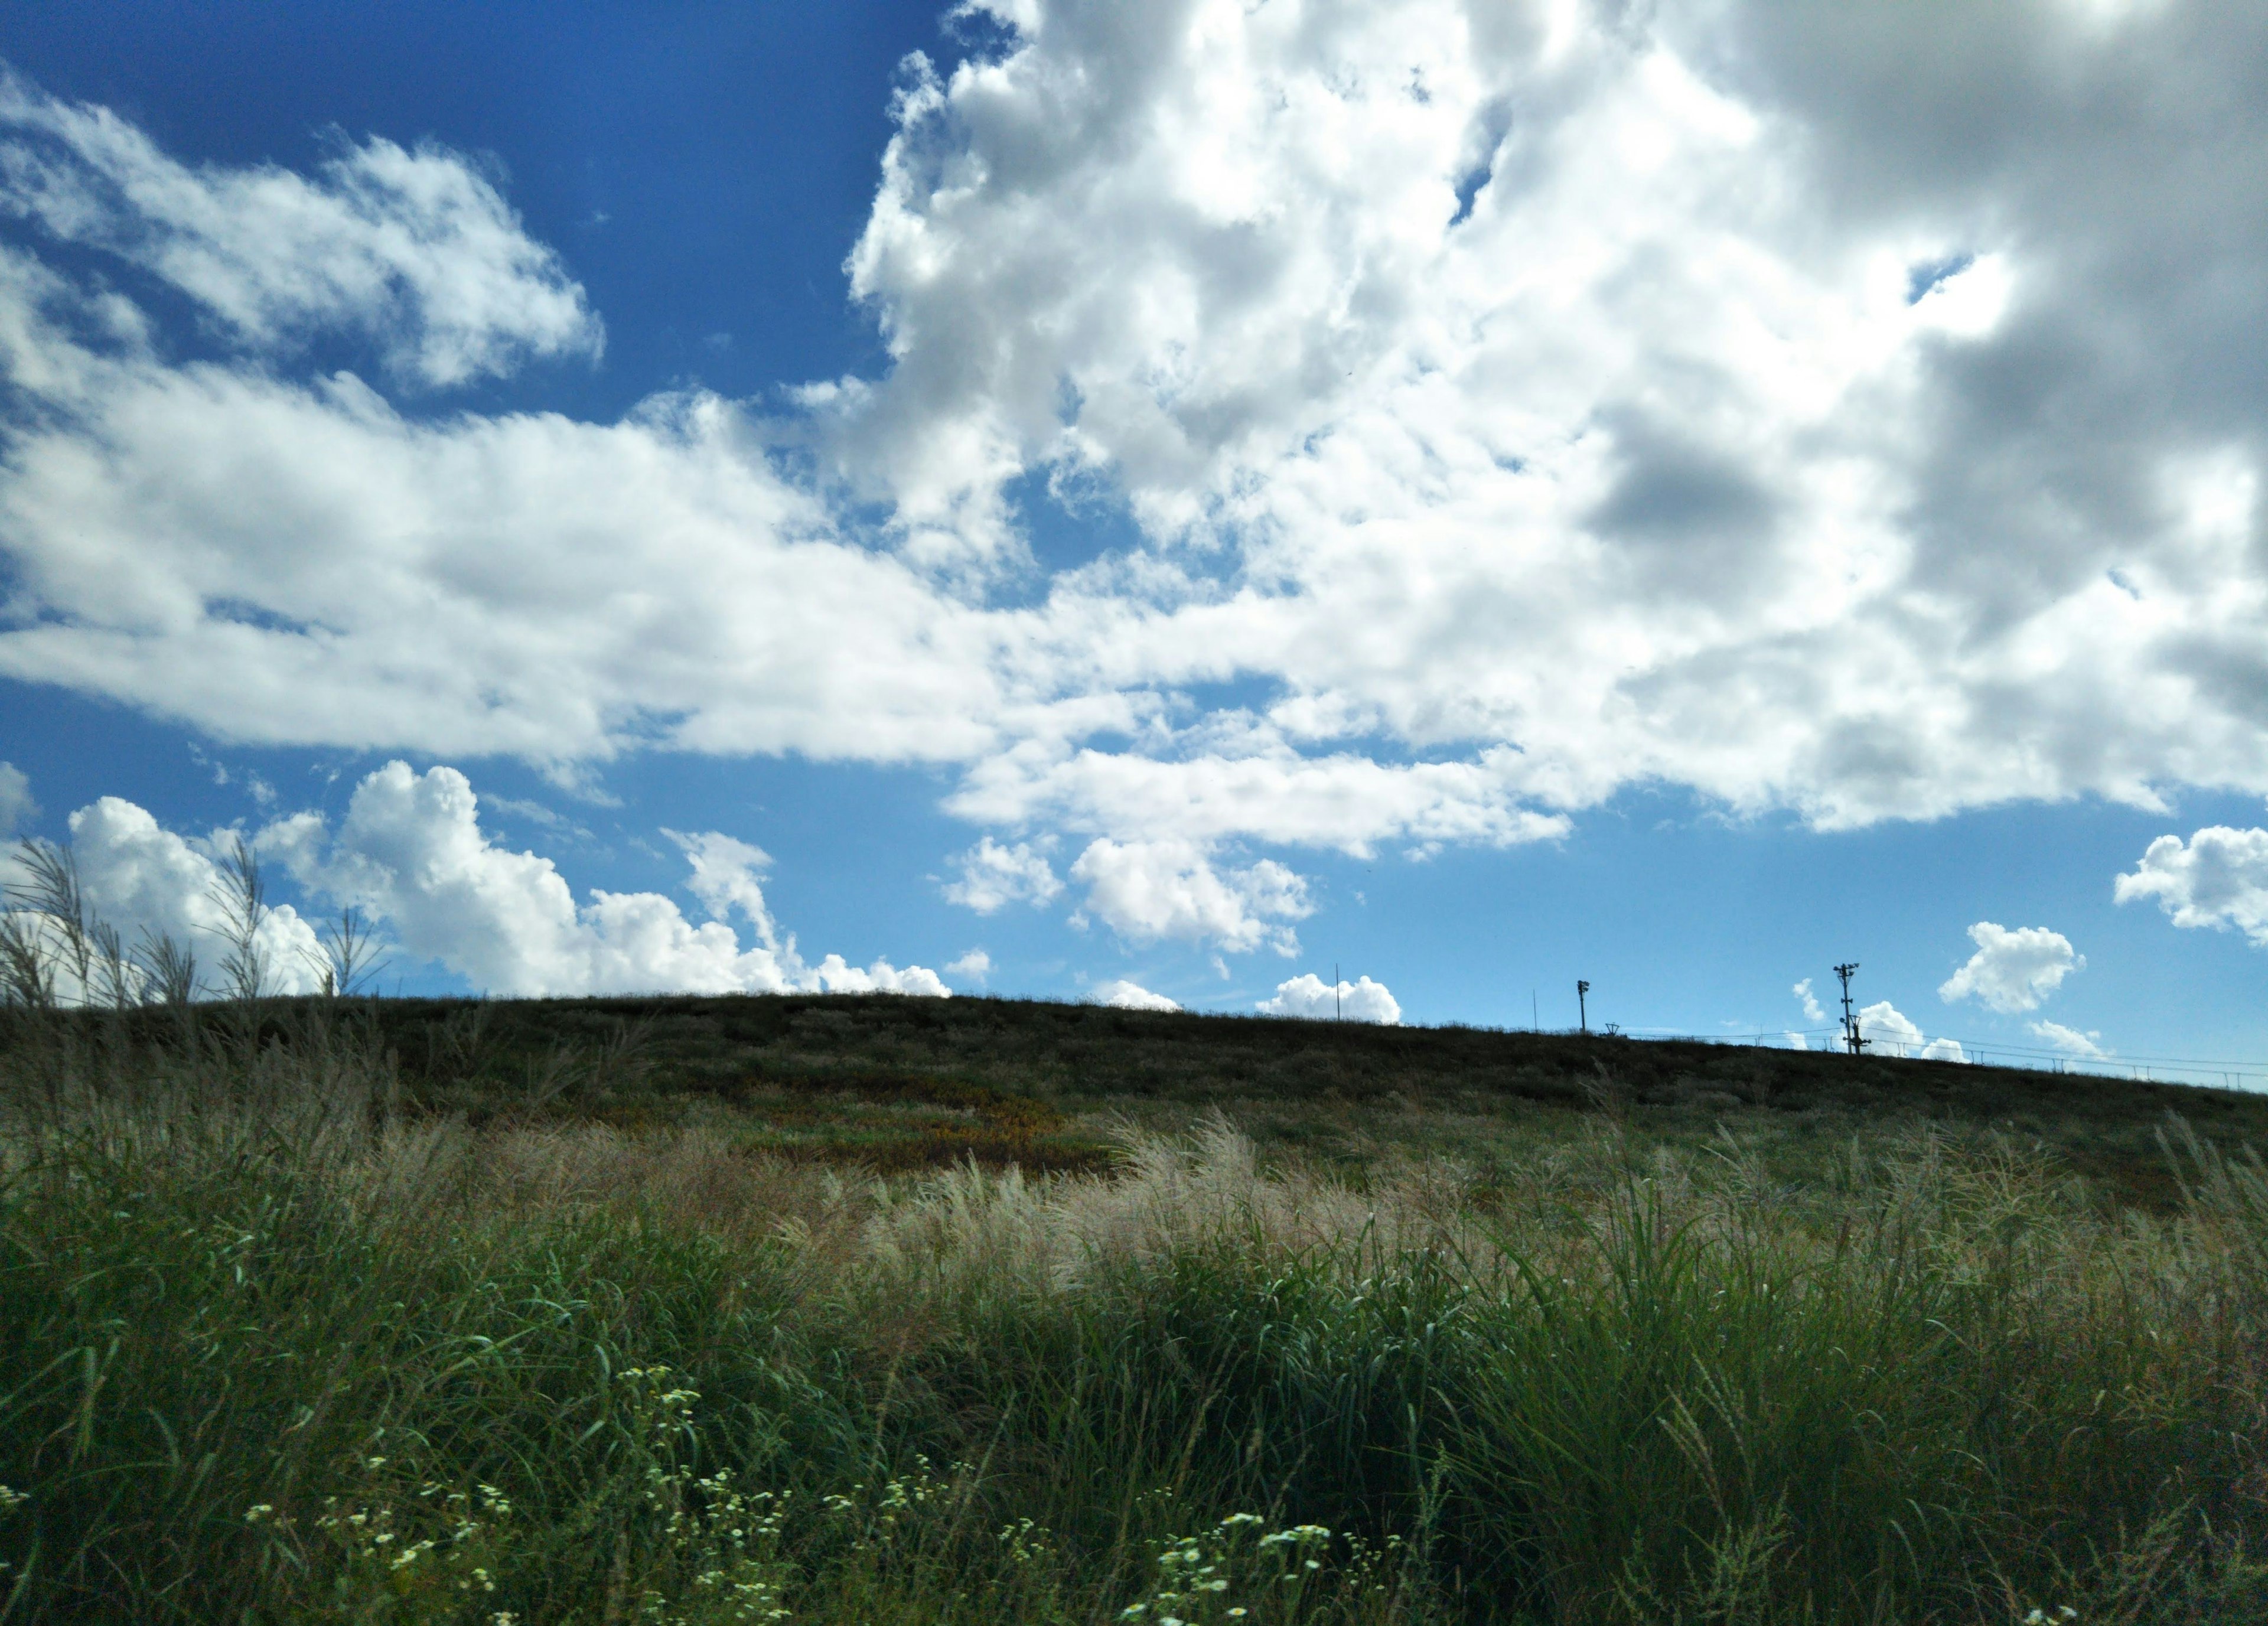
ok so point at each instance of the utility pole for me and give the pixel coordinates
(1338, 1008)
(1852, 1041)
(1582, 1009)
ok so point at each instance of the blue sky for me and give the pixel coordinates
(1174, 498)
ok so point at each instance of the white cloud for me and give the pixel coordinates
(993, 876)
(17, 807)
(1888, 1032)
(1308, 996)
(833, 974)
(417, 249)
(1516, 405)
(1149, 890)
(410, 850)
(1131, 997)
(2014, 970)
(2069, 1040)
(1797, 1041)
(2218, 877)
(727, 876)
(143, 879)
(976, 966)
(1811, 1011)
(1551, 383)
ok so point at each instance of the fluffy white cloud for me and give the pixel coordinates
(1149, 890)
(1518, 402)
(417, 250)
(2014, 970)
(2069, 1040)
(287, 563)
(17, 807)
(836, 978)
(976, 966)
(2218, 877)
(1624, 387)
(1308, 996)
(410, 850)
(1888, 1032)
(993, 876)
(1130, 997)
(1811, 1011)
(142, 879)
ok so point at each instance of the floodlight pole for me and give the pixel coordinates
(1852, 1041)
(1582, 1009)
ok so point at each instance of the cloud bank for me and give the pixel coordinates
(1850, 410)
(411, 854)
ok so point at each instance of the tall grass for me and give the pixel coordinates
(274, 1352)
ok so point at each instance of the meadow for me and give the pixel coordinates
(891, 1310)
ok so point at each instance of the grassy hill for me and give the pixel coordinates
(690, 1311)
(900, 1084)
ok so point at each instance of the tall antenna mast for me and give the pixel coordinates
(1582, 1009)
(1852, 1041)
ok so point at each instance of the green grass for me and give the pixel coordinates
(904, 1084)
(613, 1311)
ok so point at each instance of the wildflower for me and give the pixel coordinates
(11, 1499)
(257, 1512)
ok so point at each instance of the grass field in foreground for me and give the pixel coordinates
(911, 1311)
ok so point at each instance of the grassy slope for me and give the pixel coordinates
(901, 1084)
(281, 1352)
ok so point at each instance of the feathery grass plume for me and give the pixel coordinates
(27, 974)
(240, 892)
(118, 977)
(350, 958)
(168, 969)
(52, 922)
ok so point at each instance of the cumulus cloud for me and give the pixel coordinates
(1308, 996)
(1888, 1032)
(417, 249)
(2013, 971)
(1811, 1011)
(1131, 997)
(148, 881)
(2218, 877)
(976, 966)
(993, 876)
(1515, 402)
(1624, 386)
(1149, 890)
(410, 850)
(17, 807)
(2069, 1040)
